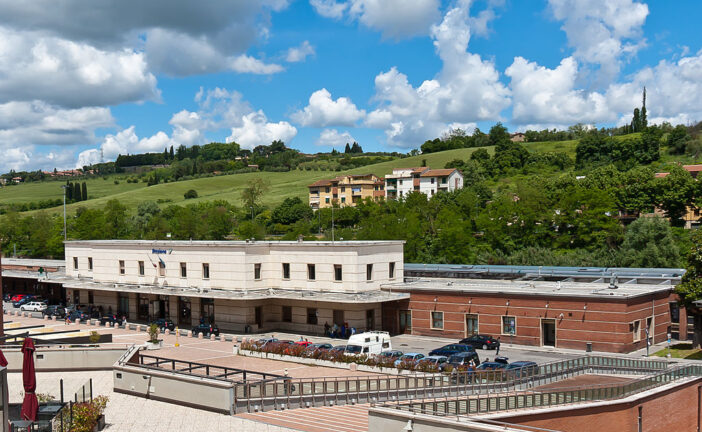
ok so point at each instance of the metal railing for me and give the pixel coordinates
(191, 368)
(479, 404)
(303, 392)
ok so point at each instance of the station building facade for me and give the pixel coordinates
(240, 286)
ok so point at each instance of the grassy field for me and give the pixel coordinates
(229, 187)
(681, 350)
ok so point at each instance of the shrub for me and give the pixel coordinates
(94, 337)
(192, 193)
(116, 182)
(153, 333)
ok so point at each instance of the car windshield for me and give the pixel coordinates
(353, 348)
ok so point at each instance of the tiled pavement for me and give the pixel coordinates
(126, 413)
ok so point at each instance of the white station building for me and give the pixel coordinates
(239, 285)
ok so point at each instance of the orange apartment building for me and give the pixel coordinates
(345, 190)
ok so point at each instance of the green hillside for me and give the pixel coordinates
(228, 187)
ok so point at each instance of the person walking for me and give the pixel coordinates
(497, 351)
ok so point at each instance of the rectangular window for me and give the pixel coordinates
(161, 268)
(121, 267)
(635, 329)
(326, 190)
(75, 263)
(437, 320)
(257, 271)
(432, 180)
(90, 263)
(509, 325)
(369, 272)
(343, 199)
(287, 314)
(91, 298)
(312, 316)
(337, 272)
(343, 189)
(674, 313)
(183, 270)
(391, 270)
(326, 200)
(311, 274)
(141, 268)
(286, 270)
(205, 271)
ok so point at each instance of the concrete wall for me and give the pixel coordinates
(203, 393)
(68, 359)
(232, 263)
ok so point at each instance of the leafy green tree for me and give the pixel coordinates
(190, 194)
(678, 139)
(649, 242)
(290, 211)
(636, 121)
(690, 288)
(252, 194)
(676, 192)
(115, 219)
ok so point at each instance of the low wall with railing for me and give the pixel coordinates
(69, 358)
(305, 392)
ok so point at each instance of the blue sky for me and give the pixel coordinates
(130, 76)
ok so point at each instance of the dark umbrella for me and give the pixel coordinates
(30, 405)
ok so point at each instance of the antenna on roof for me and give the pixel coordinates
(613, 282)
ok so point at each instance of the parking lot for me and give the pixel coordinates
(220, 353)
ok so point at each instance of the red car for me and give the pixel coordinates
(18, 297)
(303, 343)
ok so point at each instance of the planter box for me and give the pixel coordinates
(325, 363)
(100, 423)
(153, 346)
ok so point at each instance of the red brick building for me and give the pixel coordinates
(611, 316)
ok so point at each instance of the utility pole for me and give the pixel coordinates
(65, 233)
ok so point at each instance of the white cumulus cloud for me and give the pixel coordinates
(396, 18)
(329, 8)
(334, 138)
(323, 111)
(256, 130)
(299, 53)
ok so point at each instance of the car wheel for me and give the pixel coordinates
(485, 346)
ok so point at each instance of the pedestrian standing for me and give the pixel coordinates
(497, 352)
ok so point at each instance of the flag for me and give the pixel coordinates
(164, 264)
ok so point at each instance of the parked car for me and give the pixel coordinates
(206, 330)
(338, 348)
(481, 341)
(77, 314)
(112, 319)
(491, 366)
(395, 354)
(501, 359)
(54, 310)
(304, 343)
(17, 297)
(265, 341)
(33, 306)
(523, 368)
(464, 359)
(312, 348)
(354, 350)
(436, 360)
(24, 300)
(409, 357)
(451, 349)
(164, 323)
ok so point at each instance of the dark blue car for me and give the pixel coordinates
(449, 350)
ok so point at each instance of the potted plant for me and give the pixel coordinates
(154, 342)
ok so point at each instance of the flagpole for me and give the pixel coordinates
(3, 372)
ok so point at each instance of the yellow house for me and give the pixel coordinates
(345, 190)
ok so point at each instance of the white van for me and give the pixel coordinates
(373, 342)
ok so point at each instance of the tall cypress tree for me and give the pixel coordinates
(644, 120)
(76, 191)
(69, 191)
(636, 122)
(84, 194)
